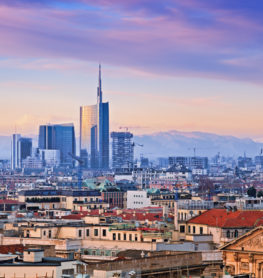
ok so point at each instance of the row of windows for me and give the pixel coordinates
(86, 199)
(231, 234)
(95, 232)
(118, 237)
(194, 230)
(138, 203)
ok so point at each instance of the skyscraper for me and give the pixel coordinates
(122, 150)
(58, 137)
(94, 131)
(24, 149)
(14, 151)
(21, 149)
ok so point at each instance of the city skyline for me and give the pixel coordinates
(203, 75)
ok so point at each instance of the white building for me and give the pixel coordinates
(51, 158)
(137, 199)
(14, 151)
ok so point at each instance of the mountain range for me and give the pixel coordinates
(177, 143)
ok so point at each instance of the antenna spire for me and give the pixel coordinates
(99, 93)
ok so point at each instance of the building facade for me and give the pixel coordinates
(94, 132)
(58, 137)
(14, 151)
(122, 150)
(21, 149)
(24, 149)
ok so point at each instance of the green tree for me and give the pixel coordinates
(252, 192)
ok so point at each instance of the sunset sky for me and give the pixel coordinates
(186, 65)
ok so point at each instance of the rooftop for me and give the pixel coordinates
(229, 219)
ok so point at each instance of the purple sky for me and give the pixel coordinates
(197, 63)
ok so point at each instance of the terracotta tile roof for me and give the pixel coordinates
(11, 249)
(229, 219)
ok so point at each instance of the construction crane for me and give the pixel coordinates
(81, 163)
(136, 144)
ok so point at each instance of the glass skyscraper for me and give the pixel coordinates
(122, 150)
(21, 149)
(24, 149)
(58, 137)
(94, 132)
(14, 151)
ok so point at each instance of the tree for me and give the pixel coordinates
(260, 194)
(252, 192)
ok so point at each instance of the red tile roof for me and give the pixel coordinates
(11, 249)
(229, 219)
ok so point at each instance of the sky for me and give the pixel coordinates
(166, 65)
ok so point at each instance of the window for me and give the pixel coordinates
(80, 233)
(49, 233)
(201, 230)
(136, 238)
(102, 253)
(96, 232)
(113, 236)
(68, 271)
(93, 253)
(182, 229)
(189, 229)
(113, 254)
(44, 233)
(87, 232)
(228, 234)
(104, 232)
(193, 229)
(124, 237)
(236, 233)
(119, 236)
(130, 237)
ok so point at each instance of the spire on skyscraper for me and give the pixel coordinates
(99, 93)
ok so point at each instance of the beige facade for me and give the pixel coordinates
(63, 202)
(244, 255)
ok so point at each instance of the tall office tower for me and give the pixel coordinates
(45, 137)
(59, 137)
(122, 150)
(14, 151)
(94, 131)
(24, 149)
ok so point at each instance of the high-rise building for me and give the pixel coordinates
(24, 149)
(94, 131)
(122, 150)
(59, 137)
(21, 149)
(14, 151)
